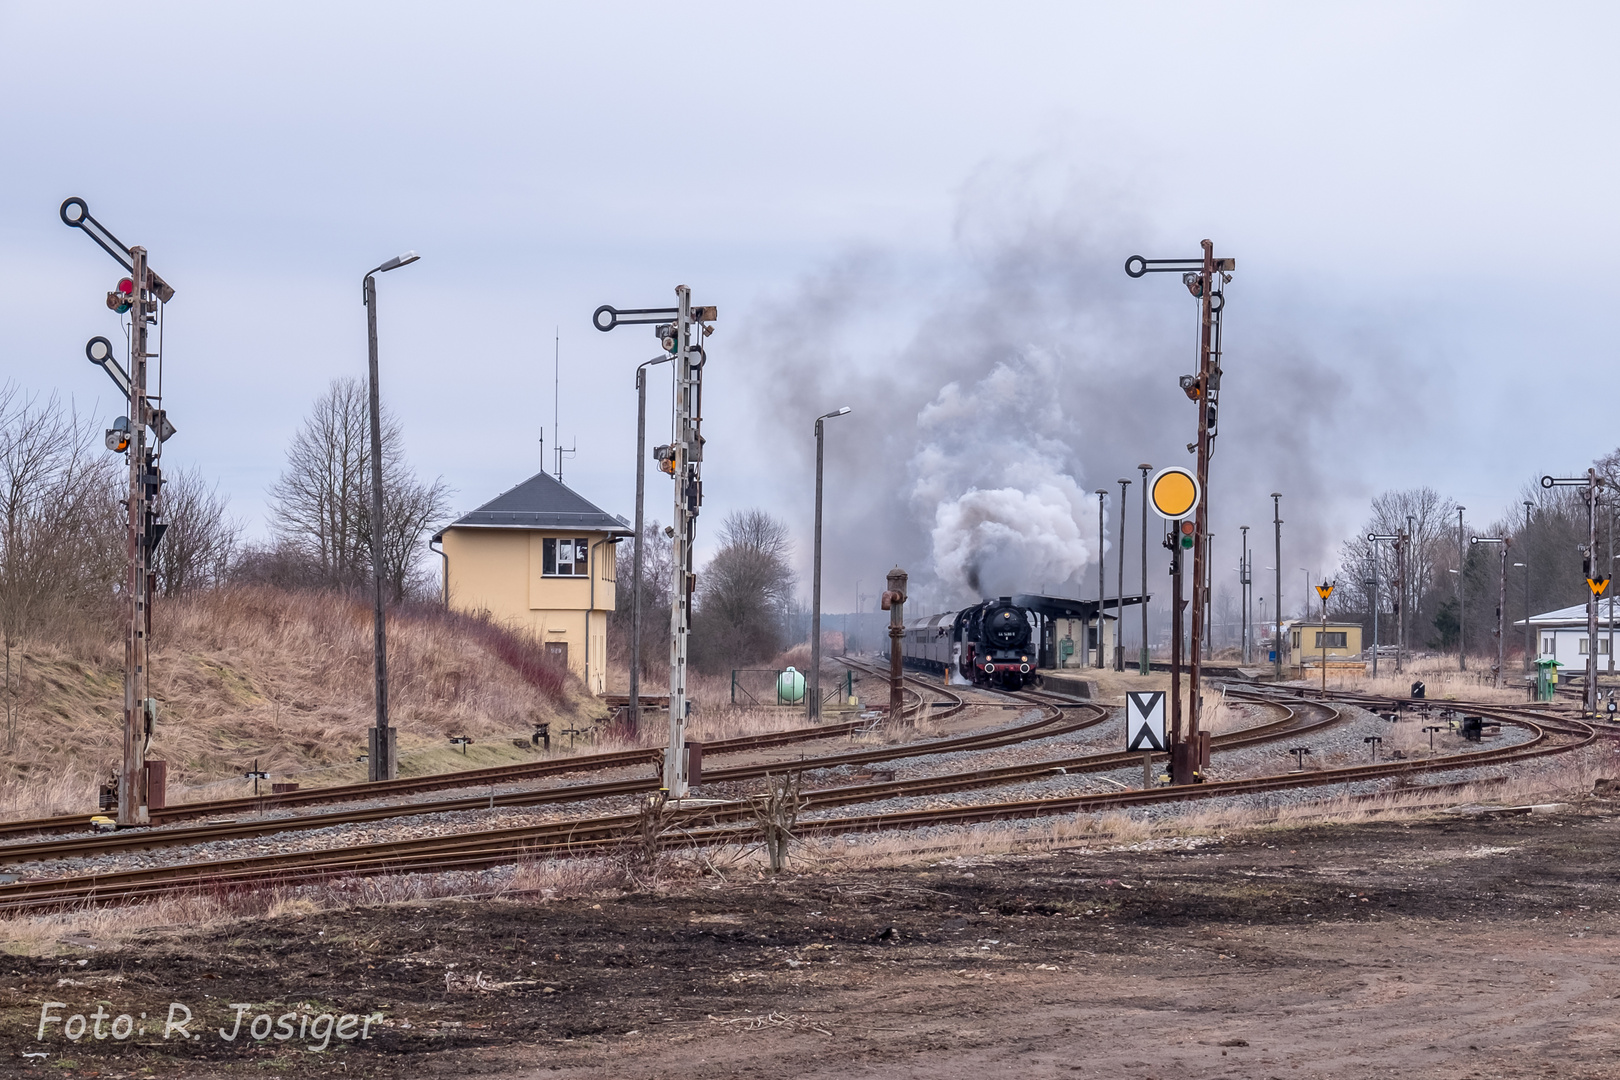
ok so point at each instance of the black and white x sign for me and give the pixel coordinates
(1144, 721)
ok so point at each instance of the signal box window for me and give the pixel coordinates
(1547, 645)
(565, 558)
(1332, 639)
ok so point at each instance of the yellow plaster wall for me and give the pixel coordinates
(499, 571)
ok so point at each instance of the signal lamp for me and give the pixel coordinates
(117, 439)
(1186, 530)
(121, 298)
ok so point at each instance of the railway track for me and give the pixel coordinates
(727, 823)
(498, 774)
(1054, 722)
(494, 775)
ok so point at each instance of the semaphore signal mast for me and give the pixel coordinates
(141, 295)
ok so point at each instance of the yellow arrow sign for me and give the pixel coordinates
(1324, 591)
(1598, 585)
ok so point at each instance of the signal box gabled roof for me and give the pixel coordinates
(542, 502)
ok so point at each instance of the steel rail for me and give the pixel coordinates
(472, 851)
(147, 839)
(495, 774)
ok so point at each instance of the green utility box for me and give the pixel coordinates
(1546, 678)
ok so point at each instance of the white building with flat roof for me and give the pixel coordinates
(1562, 635)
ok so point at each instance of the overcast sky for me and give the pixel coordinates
(1419, 197)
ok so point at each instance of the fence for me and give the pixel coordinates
(763, 686)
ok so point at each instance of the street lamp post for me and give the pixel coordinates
(1119, 623)
(1373, 538)
(1529, 631)
(1276, 613)
(813, 683)
(1243, 591)
(1102, 566)
(1144, 659)
(1501, 601)
(1462, 596)
(633, 713)
(382, 760)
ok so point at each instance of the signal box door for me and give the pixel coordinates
(557, 652)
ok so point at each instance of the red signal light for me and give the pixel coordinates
(119, 299)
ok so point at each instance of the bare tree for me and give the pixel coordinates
(200, 542)
(60, 528)
(744, 593)
(1432, 520)
(657, 572)
(322, 501)
(318, 501)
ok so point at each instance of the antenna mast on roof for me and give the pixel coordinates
(556, 407)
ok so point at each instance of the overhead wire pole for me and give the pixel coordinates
(682, 459)
(1205, 278)
(1596, 583)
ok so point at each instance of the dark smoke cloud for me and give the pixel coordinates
(996, 387)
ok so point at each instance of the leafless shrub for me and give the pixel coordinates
(776, 812)
(201, 540)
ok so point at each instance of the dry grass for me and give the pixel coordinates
(1565, 778)
(1442, 681)
(252, 673)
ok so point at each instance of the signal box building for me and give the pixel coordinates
(539, 558)
(1307, 639)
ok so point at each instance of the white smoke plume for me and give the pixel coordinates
(993, 482)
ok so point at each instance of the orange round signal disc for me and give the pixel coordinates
(1174, 493)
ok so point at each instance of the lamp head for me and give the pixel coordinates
(398, 261)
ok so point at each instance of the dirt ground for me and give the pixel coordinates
(1442, 948)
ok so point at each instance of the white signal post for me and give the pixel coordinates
(682, 459)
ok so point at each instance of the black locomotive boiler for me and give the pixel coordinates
(993, 643)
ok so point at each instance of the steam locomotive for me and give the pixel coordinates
(993, 643)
